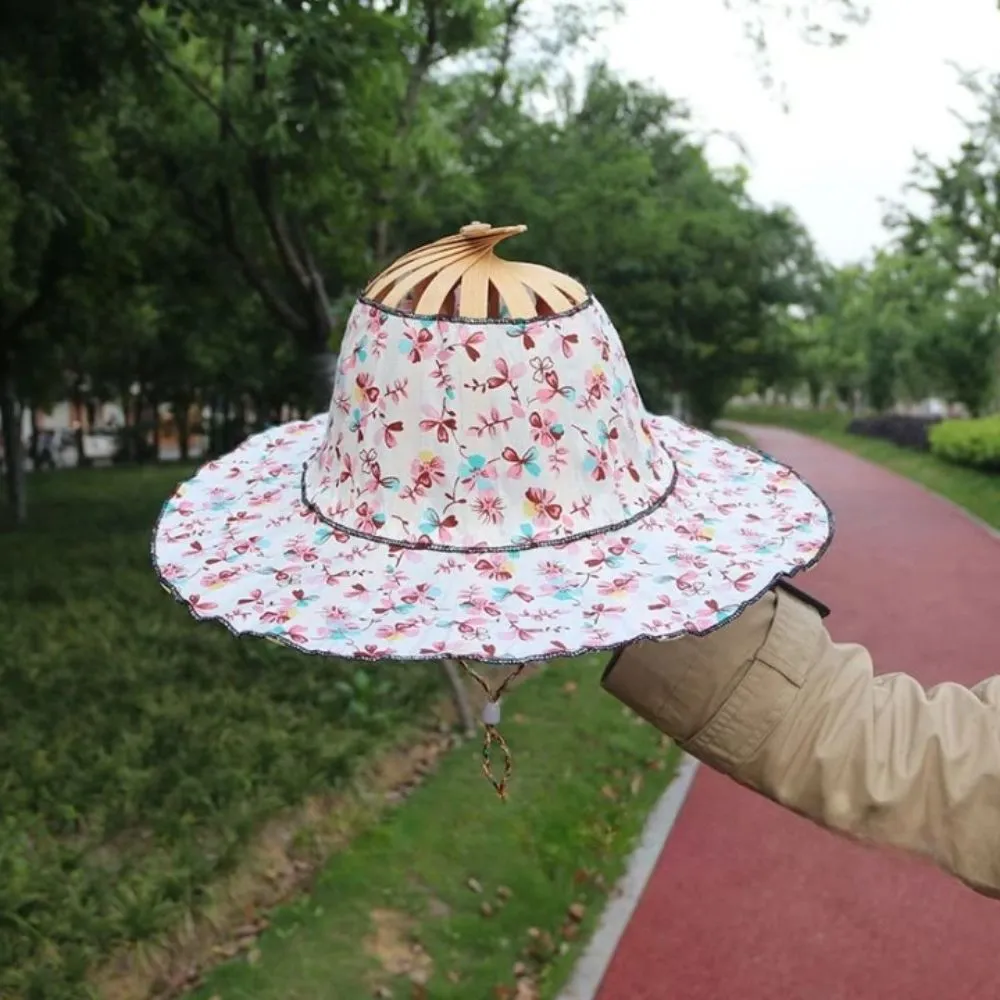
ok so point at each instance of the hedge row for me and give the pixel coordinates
(975, 443)
(902, 430)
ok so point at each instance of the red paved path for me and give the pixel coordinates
(751, 903)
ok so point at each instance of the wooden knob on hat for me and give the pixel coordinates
(461, 276)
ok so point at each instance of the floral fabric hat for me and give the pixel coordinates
(486, 485)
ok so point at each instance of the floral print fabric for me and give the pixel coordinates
(463, 435)
(390, 528)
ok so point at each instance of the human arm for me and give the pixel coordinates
(772, 701)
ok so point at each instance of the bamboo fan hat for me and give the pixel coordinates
(486, 486)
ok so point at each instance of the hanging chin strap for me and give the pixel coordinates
(490, 717)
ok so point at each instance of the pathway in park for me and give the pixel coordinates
(748, 902)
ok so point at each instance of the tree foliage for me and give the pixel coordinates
(190, 200)
(923, 319)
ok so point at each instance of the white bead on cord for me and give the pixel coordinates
(491, 713)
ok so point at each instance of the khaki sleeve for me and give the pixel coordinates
(804, 721)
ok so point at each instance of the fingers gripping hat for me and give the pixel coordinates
(486, 486)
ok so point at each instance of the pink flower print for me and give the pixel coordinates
(331, 579)
(495, 567)
(421, 594)
(596, 385)
(376, 481)
(241, 517)
(552, 386)
(520, 633)
(470, 339)
(295, 633)
(389, 431)
(426, 470)
(441, 376)
(480, 604)
(490, 423)
(692, 560)
(172, 572)
(365, 389)
(598, 611)
(489, 508)
(743, 582)
(474, 628)
(696, 530)
(607, 436)
(597, 463)
(545, 427)
(301, 549)
(442, 423)
(299, 599)
(435, 649)
(434, 523)
(518, 463)
(416, 342)
(476, 473)
(219, 578)
(369, 518)
(358, 591)
(688, 583)
(256, 596)
(506, 375)
(704, 618)
(394, 631)
(520, 591)
(558, 458)
(196, 603)
(601, 342)
(619, 586)
(567, 341)
(288, 574)
(551, 569)
(346, 468)
(378, 342)
(399, 390)
(541, 507)
(660, 602)
(263, 499)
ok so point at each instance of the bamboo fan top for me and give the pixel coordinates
(461, 276)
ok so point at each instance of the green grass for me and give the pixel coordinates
(139, 750)
(978, 492)
(586, 774)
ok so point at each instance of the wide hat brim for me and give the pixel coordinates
(237, 543)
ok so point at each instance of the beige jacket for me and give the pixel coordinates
(773, 702)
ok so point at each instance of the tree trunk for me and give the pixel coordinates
(182, 414)
(76, 400)
(155, 408)
(128, 431)
(13, 449)
(241, 421)
(324, 371)
(35, 433)
(460, 696)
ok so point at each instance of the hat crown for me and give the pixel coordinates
(484, 434)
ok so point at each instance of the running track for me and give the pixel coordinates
(751, 903)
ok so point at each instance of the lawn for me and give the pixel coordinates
(142, 755)
(978, 492)
(456, 893)
(140, 751)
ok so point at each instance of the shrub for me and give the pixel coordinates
(975, 443)
(901, 429)
(139, 750)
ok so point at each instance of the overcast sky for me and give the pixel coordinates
(857, 113)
